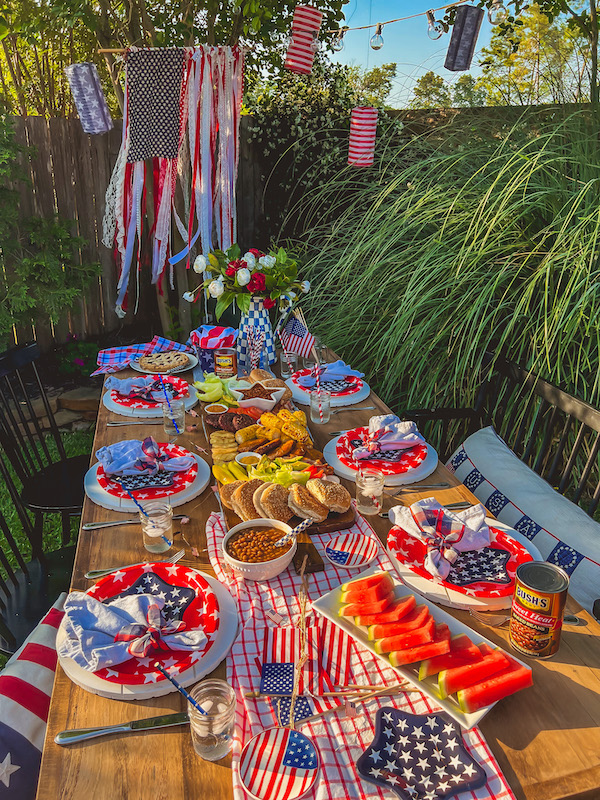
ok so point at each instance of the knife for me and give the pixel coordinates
(449, 506)
(92, 526)
(82, 734)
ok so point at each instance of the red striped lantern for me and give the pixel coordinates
(363, 132)
(303, 43)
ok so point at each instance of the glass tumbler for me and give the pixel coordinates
(288, 364)
(157, 526)
(173, 418)
(320, 406)
(212, 733)
(369, 491)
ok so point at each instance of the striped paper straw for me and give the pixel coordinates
(363, 132)
(169, 404)
(318, 379)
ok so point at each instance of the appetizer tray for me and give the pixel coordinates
(207, 604)
(329, 605)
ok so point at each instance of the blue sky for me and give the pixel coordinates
(405, 43)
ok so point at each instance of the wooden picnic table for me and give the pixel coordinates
(546, 739)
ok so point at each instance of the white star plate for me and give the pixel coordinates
(228, 629)
(144, 413)
(329, 605)
(424, 469)
(303, 397)
(448, 597)
(102, 498)
(193, 362)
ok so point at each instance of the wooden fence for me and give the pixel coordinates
(68, 175)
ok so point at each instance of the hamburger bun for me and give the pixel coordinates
(274, 502)
(332, 495)
(260, 375)
(275, 383)
(304, 505)
(241, 500)
(226, 491)
(256, 499)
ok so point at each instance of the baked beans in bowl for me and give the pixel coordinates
(249, 549)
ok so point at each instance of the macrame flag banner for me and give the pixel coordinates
(89, 98)
(171, 93)
(363, 132)
(464, 38)
(304, 39)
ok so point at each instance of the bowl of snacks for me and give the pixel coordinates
(249, 549)
(259, 396)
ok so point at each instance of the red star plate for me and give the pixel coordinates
(350, 385)
(181, 390)
(401, 462)
(188, 597)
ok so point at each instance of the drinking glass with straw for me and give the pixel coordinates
(173, 414)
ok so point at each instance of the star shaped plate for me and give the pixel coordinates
(419, 756)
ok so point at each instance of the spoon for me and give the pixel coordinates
(289, 537)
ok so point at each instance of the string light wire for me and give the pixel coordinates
(398, 19)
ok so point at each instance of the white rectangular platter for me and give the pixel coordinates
(329, 604)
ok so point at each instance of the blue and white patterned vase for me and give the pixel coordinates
(257, 317)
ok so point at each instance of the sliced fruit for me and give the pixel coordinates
(456, 678)
(401, 641)
(512, 679)
(354, 609)
(437, 647)
(369, 589)
(396, 611)
(462, 651)
(416, 619)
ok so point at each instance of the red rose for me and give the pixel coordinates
(230, 271)
(256, 253)
(268, 303)
(257, 282)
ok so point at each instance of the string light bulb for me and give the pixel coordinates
(316, 44)
(376, 40)
(338, 44)
(497, 14)
(434, 28)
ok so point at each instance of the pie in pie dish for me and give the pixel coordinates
(164, 362)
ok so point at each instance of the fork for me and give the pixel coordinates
(149, 421)
(352, 408)
(94, 526)
(99, 573)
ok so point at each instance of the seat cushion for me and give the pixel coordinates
(563, 533)
(25, 689)
(58, 487)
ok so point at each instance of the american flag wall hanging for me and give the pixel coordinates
(89, 98)
(464, 38)
(304, 39)
(363, 132)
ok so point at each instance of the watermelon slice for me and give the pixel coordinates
(456, 678)
(511, 679)
(437, 647)
(368, 590)
(397, 610)
(462, 651)
(355, 609)
(416, 619)
(401, 641)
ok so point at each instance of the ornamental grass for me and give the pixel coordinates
(460, 240)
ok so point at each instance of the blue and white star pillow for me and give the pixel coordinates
(419, 756)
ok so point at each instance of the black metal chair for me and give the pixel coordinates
(555, 434)
(49, 485)
(27, 588)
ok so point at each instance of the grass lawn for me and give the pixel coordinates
(76, 443)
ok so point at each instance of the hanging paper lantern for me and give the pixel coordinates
(304, 39)
(363, 132)
(89, 98)
(464, 38)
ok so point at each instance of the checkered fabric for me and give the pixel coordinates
(25, 690)
(339, 740)
(562, 532)
(115, 358)
(257, 317)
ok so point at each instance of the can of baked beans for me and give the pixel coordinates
(537, 608)
(226, 362)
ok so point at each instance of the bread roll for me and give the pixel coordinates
(304, 505)
(332, 495)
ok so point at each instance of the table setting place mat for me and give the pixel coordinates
(269, 612)
(177, 388)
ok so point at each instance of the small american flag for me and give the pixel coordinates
(281, 652)
(296, 338)
(336, 652)
(351, 550)
(279, 763)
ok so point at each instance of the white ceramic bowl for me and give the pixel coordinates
(241, 456)
(263, 570)
(259, 402)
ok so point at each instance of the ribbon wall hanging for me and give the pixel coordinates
(464, 38)
(171, 91)
(304, 40)
(363, 132)
(89, 98)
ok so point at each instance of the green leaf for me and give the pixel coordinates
(4, 28)
(243, 302)
(223, 303)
